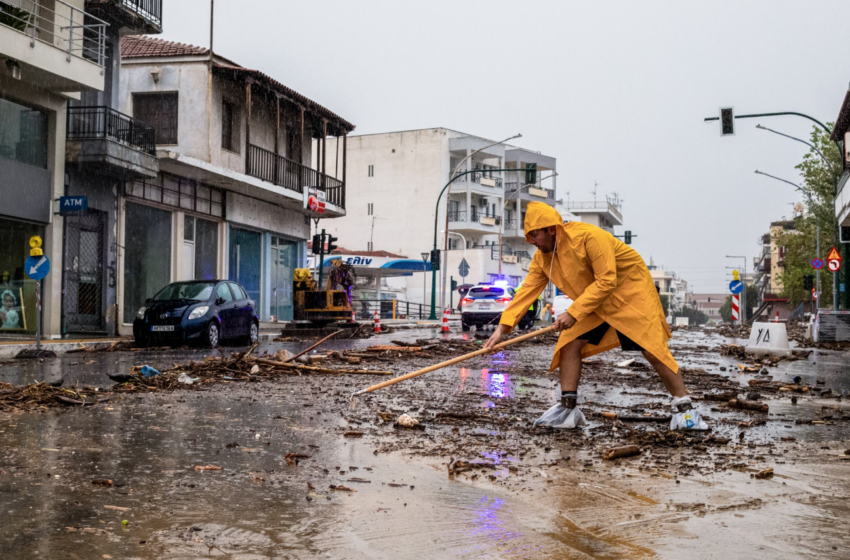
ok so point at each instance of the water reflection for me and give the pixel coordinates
(488, 525)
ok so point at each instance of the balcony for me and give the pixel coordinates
(530, 193)
(283, 172)
(606, 210)
(54, 45)
(104, 137)
(141, 16)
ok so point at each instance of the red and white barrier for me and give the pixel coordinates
(353, 318)
(777, 317)
(736, 307)
(445, 320)
(377, 328)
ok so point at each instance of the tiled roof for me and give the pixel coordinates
(139, 46)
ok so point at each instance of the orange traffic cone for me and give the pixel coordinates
(445, 320)
(377, 328)
(777, 317)
(353, 318)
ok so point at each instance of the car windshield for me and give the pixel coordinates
(486, 292)
(197, 291)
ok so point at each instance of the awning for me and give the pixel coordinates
(383, 267)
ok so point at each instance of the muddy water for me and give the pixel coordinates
(257, 506)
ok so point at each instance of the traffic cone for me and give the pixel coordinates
(777, 317)
(445, 320)
(377, 328)
(353, 318)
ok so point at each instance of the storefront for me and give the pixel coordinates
(25, 210)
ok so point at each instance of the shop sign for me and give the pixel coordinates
(72, 205)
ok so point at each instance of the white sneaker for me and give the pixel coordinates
(685, 417)
(562, 417)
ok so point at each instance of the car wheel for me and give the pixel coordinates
(253, 333)
(212, 336)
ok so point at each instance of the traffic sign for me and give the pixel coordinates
(833, 255)
(463, 268)
(834, 265)
(736, 286)
(817, 264)
(37, 267)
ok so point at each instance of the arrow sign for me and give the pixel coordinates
(37, 267)
(834, 265)
(736, 286)
(463, 268)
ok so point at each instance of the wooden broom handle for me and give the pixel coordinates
(453, 361)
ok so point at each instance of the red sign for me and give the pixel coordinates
(316, 205)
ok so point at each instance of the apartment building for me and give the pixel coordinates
(229, 200)
(50, 53)
(395, 180)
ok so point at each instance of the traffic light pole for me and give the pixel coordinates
(321, 259)
(433, 315)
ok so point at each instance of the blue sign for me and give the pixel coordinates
(736, 286)
(817, 264)
(73, 205)
(37, 267)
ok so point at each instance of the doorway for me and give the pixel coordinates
(246, 261)
(83, 274)
(284, 262)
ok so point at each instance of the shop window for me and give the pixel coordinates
(160, 110)
(284, 256)
(246, 260)
(17, 291)
(200, 249)
(147, 255)
(23, 134)
(179, 192)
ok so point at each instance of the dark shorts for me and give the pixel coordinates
(594, 337)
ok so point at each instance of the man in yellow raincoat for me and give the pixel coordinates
(615, 304)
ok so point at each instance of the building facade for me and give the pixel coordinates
(395, 179)
(50, 53)
(234, 148)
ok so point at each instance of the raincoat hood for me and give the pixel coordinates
(540, 215)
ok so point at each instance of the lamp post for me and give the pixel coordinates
(454, 172)
(425, 256)
(515, 193)
(433, 315)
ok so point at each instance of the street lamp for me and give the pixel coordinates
(809, 144)
(425, 257)
(515, 193)
(459, 235)
(446, 241)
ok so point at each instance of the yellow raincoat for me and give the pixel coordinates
(607, 280)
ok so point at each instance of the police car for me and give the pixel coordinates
(561, 304)
(484, 303)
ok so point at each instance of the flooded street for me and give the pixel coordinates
(285, 468)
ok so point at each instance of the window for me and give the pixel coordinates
(371, 171)
(369, 246)
(147, 260)
(160, 111)
(237, 291)
(453, 243)
(370, 209)
(23, 134)
(223, 292)
(229, 127)
(179, 192)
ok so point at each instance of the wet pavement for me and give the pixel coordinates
(287, 482)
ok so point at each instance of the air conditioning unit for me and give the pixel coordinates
(484, 201)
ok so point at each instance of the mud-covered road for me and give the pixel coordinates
(283, 467)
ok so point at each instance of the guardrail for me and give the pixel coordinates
(95, 123)
(284, 172)
(364, 309)
(63, 26)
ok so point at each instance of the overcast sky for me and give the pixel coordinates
(616, 91)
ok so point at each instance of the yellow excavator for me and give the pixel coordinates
(321, 307)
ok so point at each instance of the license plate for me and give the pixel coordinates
(162, 328)
(482, 307)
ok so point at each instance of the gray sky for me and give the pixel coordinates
(617, 91)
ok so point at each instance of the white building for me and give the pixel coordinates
(229, 201)
(394, 180)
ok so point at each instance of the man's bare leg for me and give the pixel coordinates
(570, 365)
(673, 381)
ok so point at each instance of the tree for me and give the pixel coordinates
(665, 303)
(818, 189)
(695, 316)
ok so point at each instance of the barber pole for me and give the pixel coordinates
(377, 328)
(445, 320)
(736, 307)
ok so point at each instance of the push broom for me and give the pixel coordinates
(451, 362)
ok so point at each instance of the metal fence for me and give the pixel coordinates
(390, 309)
(151, 10)
(95, 123)
(284, 172)
(67, 28)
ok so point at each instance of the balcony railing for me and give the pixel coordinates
(151, 10)
(464, 216)
(283, 172)
(96, 123)
(67, 28)
(511, 187)
(476, 178)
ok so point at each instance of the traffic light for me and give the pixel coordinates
(317, 244)
(454, 284)
(331, 245)
(808, 282)
(727, 122)
(530, 173)
(627, 237)
(435, 259)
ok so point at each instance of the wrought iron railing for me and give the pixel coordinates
(62, 25)
(95, 123)
(151, 10)
(279, 170)
(389, 309)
